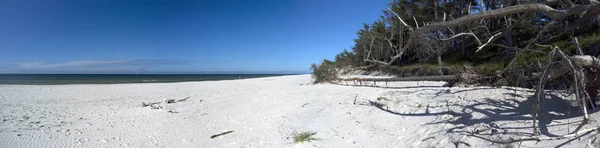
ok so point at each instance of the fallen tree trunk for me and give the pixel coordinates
(586, 61)
(587, 12)
(592, 9)
(418, 78)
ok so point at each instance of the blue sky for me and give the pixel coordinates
(177, 36)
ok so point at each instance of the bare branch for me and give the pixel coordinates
(451, 31)
(542, 31)
(371, 45)
(487, 30)
(390, 42)
(444, 17)
(539, 92)
(375, 61)
(489, 40)
(586, 61)
(586, 10)
(416, 23)
(577, 75)
(577, 46)
(461, 34)
(398, 16)
(401, 49)
(469, 10)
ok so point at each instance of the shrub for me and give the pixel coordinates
(325, 72)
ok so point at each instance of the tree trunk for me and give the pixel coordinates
(509, 39)
(439, 57)
(418, 78)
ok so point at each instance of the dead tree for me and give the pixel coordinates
(589, 11)
(574, 65)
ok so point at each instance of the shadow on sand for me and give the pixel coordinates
(495, 111)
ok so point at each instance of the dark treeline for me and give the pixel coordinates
(511, 51)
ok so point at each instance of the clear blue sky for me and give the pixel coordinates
(177, 36)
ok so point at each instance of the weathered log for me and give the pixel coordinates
(586, 61)
(418, 78)
(591, 9)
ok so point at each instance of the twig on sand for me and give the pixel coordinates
(183, 99)
(175, 101)
(172, 111)
(457, 143)
(431, 137)
(304, 104)
(153, 105)
(221, 134)
(355, 99)
(144, 104)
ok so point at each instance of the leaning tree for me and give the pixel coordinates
(583, 69)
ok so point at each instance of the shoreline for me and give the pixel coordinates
(128, 78)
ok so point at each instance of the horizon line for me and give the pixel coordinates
(155, 73)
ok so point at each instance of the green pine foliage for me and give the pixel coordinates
(383, 38)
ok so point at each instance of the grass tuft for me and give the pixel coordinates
(304, 137)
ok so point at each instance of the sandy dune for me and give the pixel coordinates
(264, 112)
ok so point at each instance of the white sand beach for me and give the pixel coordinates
(265, 112)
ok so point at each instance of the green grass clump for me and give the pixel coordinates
(304, 137)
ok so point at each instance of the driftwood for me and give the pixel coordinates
(175, 101)
(156, 105)
(221, 134)
(153, 105)
(418, 78)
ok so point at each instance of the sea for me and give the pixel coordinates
(54, 79)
